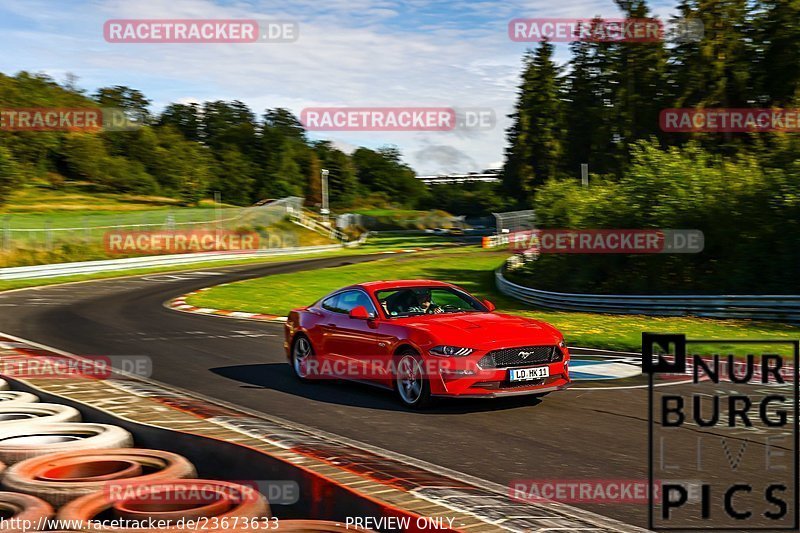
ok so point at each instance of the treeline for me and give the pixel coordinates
(610, 95)
(603, 107)
(191, 150)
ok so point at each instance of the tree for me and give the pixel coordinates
(778, 35)
(383, 170)
(229, 124)
(288, 179)
(535, 137)
(233, 177)
(132, 101)
(314, 182)
(589, 100)
(641, 71)
(9, 174)
(183, 117)
(714, 71)
(85, 156)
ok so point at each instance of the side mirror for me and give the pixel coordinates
(360, 313)
(489, 305)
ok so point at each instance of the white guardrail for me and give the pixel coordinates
(784, 308)
(92, 267)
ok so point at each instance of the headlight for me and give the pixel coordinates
(450, 351)
(562, 344)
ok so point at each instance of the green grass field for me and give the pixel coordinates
(473, 269)
(78, 205)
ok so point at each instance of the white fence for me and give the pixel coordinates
(92, 267)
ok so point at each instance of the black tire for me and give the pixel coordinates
(297, 344)
(415, 392)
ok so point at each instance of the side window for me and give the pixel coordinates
(330, 304)
(351, 299)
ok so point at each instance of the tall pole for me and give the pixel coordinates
(325, 211)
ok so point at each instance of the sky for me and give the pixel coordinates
(349, 53)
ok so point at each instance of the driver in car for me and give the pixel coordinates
(426, 304)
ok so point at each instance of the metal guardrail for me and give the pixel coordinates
(784, 308)
(91, 267)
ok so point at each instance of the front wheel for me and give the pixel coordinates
(411, 383)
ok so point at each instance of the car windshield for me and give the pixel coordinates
(410, 301)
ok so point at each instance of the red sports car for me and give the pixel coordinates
(424, 339)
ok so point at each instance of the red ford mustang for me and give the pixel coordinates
(424, 339)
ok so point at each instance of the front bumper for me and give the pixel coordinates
(523, 392)
(465, 378)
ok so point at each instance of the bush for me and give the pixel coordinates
(750, 217)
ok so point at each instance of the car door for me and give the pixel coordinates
(357, 343)
(326, 326)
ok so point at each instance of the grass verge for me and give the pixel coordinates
(473, 269)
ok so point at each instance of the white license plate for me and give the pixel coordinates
(528, 374)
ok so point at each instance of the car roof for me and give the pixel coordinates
(399, 284)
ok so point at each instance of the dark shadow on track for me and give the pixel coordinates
(279, 377)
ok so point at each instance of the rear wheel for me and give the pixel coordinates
(302, 354)
(411, 382)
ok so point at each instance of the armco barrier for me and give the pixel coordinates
(91, 267)
(784, 308)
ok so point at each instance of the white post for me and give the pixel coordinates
(585, 174)
(325, 211)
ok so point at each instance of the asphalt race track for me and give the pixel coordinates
(595, 430)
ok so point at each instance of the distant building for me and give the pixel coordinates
(491, 175)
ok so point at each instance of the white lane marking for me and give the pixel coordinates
(181, 277)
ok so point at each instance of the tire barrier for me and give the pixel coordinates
(61, 477)
(173, 501)
(8, 397)
(23, 441)
(22, 507)
(29, 413)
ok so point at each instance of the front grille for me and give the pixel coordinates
(527, 355)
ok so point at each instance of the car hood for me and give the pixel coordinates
(484, 331)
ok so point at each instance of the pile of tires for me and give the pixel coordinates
(54, 466)
(59, 478)
(183, 504)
